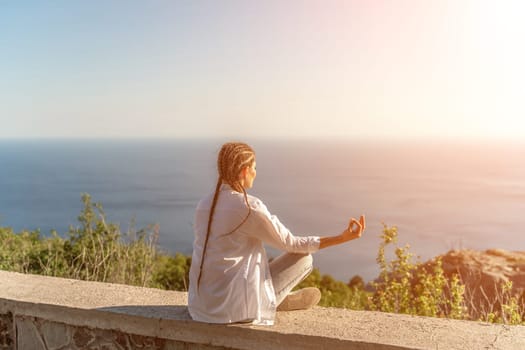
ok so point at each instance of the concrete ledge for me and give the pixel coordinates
(161, 317)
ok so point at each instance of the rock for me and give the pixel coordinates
(485, 272)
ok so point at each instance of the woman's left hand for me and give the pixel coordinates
(355, 229)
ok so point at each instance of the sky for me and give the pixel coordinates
(244, 69)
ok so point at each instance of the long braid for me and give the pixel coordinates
(233, 157)
(214, 203)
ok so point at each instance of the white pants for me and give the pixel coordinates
(288, 270)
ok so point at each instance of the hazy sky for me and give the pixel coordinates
(375, 69)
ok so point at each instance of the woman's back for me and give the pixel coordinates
(235, 283)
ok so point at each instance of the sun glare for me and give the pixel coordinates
(494, 69)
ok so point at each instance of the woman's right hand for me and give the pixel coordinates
(355, 229)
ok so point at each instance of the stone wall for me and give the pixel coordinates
(40, 334)
(6, 332)
(38, 312)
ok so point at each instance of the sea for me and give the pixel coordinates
(441, 195)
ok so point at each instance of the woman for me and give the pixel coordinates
(230, 277)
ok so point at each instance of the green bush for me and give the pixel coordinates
(172, 272)
(407, 287)
(94, 251)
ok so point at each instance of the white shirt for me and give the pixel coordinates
(236, 285)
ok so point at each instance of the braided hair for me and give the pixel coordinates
(233, 157)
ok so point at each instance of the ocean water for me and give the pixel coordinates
(441, 196)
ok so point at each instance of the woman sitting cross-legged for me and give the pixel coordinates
(231, 279)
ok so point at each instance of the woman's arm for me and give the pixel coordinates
(269, 229)
(349, 234)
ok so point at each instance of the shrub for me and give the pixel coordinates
(171, 272)
(407, 287)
